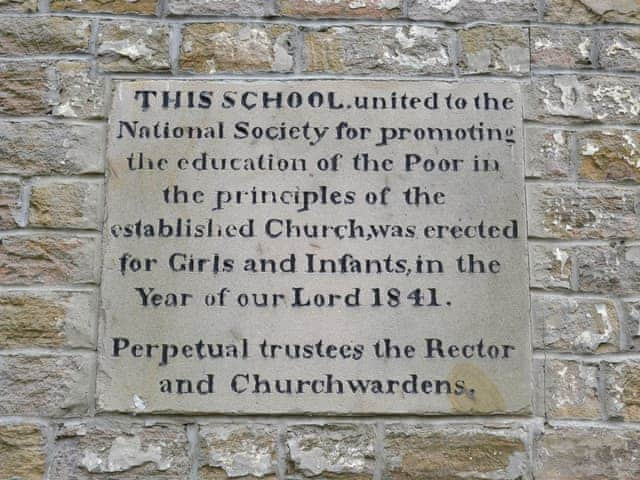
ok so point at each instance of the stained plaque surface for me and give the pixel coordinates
(346, 247)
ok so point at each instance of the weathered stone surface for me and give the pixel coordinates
(548, 152)
(10, 204)
(243, 8)
(18, 6)
(623, 390)
(573, 98)
(46, 385)
(550, 266)
(494, 49)
(25, 88)
(442, 453)
(571, 389)
(48, 319)
(146, 7)
(566, 212)
(133, 46)
(66, 205)
(560, 48)
(48, 148)
(609, 155)
(471, 10)
(77, 93)
(388, 50)
(575, 325)
(563, 453)
(609, 269)
(632, 325)
(48, 258)
(231, 47)
(592, 11)
(331, 451)
(126, 451)
(238, 451)
(22, 451)
(619, 49)
(43, 35)
(341, 8)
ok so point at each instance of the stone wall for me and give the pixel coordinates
(578, 62)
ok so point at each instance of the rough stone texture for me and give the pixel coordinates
(494, 49)
(119, 450)
(48, 319)
(249, 8)
(42, 35)
(575, 325)
(331, 451)
(571, 389)
(387, 50)
(469, 10)
(560, 48)
(620, 49)
(632, 326)
(609, 155)
(133, 46)
(229, 47)
(22, 452)
(10, 203)
(77, 94)
(48, 148)
(548, 153)
(573, 453)
(48, 258)
(443, 453)
(566, 212)
(572, 98)
(25, 88)
(238, 451)
(623, 389)
(146, 7)
(18, 6)
(550, 266)
(377, 9)
(46, 385)
(609, 269)
(592, 11)
(66, 205)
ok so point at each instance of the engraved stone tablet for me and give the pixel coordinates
(348, 247)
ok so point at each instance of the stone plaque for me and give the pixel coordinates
(347, 247)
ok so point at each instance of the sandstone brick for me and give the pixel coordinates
(77, 93)
(130, 46)
(238, 451)
(623, 390)
(331, 451)
(43, 35)
(22, 451)
(25, 88)
(48, 319)
(573, 453)
(145, 7)
(632, 324)
(387, 50)
(550, 266)
(241, 8)
(575, 325)
(48, 258)
(228, 47)
(592, 11)
(609, 155)
(18, 6)
(119, 450)
(560, 48)
(47, 385)
(473, 10)
(65, 205)
(548, 153)
(567, 212)
(609, 270)
(376, 9)
(494, 49)
(579, 98)
(460, 451)
(619, 49)
(571, 389)
(48, 148)
(10, 203)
